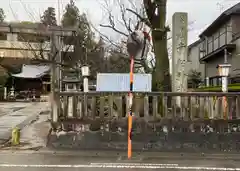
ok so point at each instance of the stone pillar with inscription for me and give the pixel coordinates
(179, 53)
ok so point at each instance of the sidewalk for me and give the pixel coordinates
(20, 119)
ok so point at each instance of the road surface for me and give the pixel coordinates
(43, 161)
(32, 155)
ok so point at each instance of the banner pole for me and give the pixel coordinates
(130, 109)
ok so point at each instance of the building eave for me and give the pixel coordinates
(226, 15)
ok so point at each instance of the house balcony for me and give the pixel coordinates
(219, 52)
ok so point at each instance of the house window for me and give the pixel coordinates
(219, 81)
(216, 38)
(210, 44)
(202, 50)
(229, 33)
(215, 81)
(3, 36)
(222, 36)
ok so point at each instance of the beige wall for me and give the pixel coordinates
(193, 58)
(236, 58)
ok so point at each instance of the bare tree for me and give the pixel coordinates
(153, 15)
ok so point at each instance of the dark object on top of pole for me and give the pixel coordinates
(138, 44)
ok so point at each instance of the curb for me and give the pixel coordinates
(102, 153)
(122, 156)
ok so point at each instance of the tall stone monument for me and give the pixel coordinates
(179, 52)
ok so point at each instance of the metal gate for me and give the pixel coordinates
(162, 121)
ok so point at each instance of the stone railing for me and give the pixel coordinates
(153, 106)
(98, 121)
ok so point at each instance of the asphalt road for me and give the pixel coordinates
(40, 161)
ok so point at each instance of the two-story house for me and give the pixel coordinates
(223, 33)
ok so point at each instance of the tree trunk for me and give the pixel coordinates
(161, 75)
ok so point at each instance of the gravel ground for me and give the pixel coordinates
(34, 135)
(9, 107)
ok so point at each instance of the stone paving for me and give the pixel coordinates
(20, 118)
(9, 107)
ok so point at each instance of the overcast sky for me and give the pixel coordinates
(201, 12)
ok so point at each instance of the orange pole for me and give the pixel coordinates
(129, 136)
(130, 110)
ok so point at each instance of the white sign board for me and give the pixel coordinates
(116, 82)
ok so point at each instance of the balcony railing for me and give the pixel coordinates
(215, 42)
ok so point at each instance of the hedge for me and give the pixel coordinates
(231, 87)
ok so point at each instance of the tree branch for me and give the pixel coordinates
(150, 10)
(127, 25)
(116, 30)
(142, 19)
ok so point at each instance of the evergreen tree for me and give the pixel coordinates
(49, 17)
(2, 15)
(72, 18)
(71, 15)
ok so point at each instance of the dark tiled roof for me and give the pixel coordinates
(223, 17)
